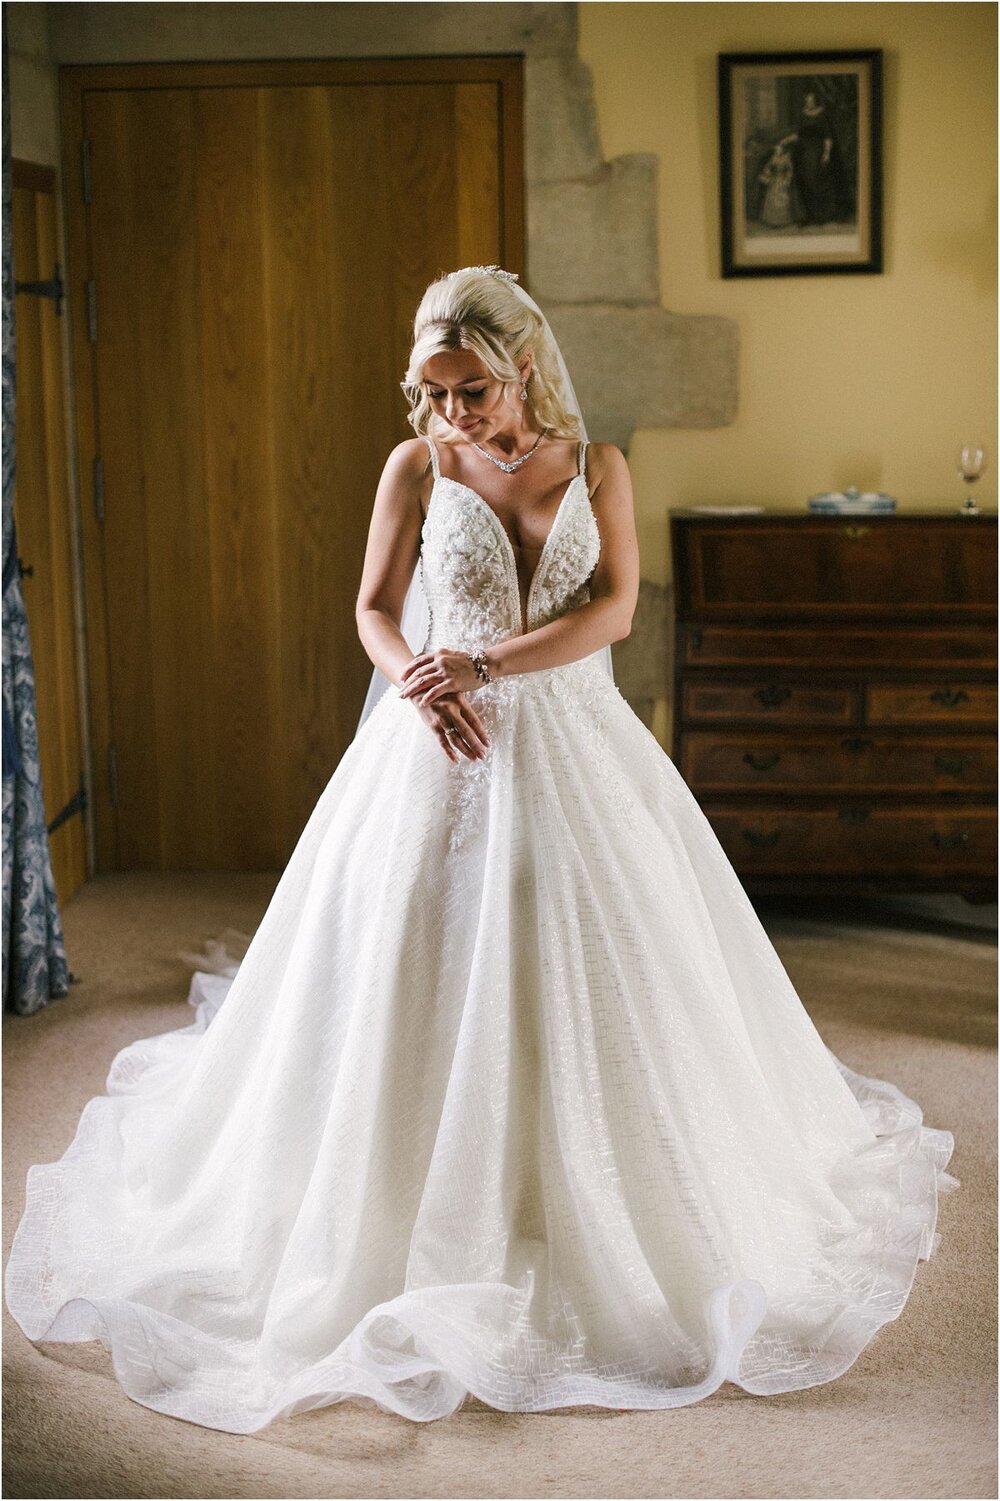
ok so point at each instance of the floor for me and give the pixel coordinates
(903, 993)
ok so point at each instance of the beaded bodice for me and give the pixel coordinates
(469, 571)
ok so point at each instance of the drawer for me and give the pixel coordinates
(716, 762)
(857, 840)
(785, 703)
(859, 647)
(931, 703)
(836, 566)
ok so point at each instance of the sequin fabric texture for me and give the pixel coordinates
(510, 1094)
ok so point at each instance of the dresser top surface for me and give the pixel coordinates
(785, 513)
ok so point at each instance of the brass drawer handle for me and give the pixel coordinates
(950, 841)
(953, 765)
(854, 532)
(762, 763)
(759, 840)
(949, 698)
(857, 743)
(771, 696)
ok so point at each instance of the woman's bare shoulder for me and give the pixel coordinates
(400, 490)
(406, 466)
(410, 457)
(605, 462)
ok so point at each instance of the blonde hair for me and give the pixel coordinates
(479, 312)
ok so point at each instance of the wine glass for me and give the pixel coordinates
(971, 463)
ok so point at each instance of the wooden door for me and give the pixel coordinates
(44, 522)
(249, 244)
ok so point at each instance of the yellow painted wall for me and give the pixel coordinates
(874, 380)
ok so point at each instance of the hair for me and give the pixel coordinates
(477, 311)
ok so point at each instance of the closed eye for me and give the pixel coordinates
(437, 395)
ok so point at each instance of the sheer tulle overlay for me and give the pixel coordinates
(509, 1094)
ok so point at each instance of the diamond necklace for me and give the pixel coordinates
(501, 463)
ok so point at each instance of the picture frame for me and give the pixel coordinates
(800, 162)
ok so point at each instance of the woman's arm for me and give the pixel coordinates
(606, 617)
(390, 558)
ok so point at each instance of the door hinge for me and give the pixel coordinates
(76, 804)
(92, 311)
(99, 486)
(85, 166)
(52, 288)
(113, 775)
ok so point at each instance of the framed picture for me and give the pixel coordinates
(800, 162)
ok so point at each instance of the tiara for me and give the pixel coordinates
(493, 271)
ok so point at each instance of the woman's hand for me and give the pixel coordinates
(434, 673)
(457, 726)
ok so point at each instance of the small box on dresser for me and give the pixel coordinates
(835, 695)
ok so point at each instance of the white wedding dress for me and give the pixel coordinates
(510, 1094)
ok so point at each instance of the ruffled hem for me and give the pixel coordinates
(422, 1353)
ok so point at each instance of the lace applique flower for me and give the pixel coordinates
(465, 573)
(469, 781)
(584, 690)
(562, 584)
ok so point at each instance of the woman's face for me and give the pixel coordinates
(462, 390)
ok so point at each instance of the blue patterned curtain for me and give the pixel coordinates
(34, 958)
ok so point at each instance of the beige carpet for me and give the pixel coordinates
(894, 994)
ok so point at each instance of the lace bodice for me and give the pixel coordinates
(469, 571)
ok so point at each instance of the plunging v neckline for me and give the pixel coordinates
(510, 554)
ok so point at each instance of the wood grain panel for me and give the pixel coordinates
(311, 319)
(244, 726)
(45, 527)
(120, 397)
(477, 185)
(147, 274)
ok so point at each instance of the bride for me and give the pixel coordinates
(510, 1094)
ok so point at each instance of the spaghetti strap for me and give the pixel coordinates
(583, 459)
(434, 455)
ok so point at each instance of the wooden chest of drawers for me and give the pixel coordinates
(835, 696)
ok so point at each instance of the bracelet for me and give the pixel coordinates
(478, 660)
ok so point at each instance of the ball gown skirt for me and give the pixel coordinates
(509, 1094)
